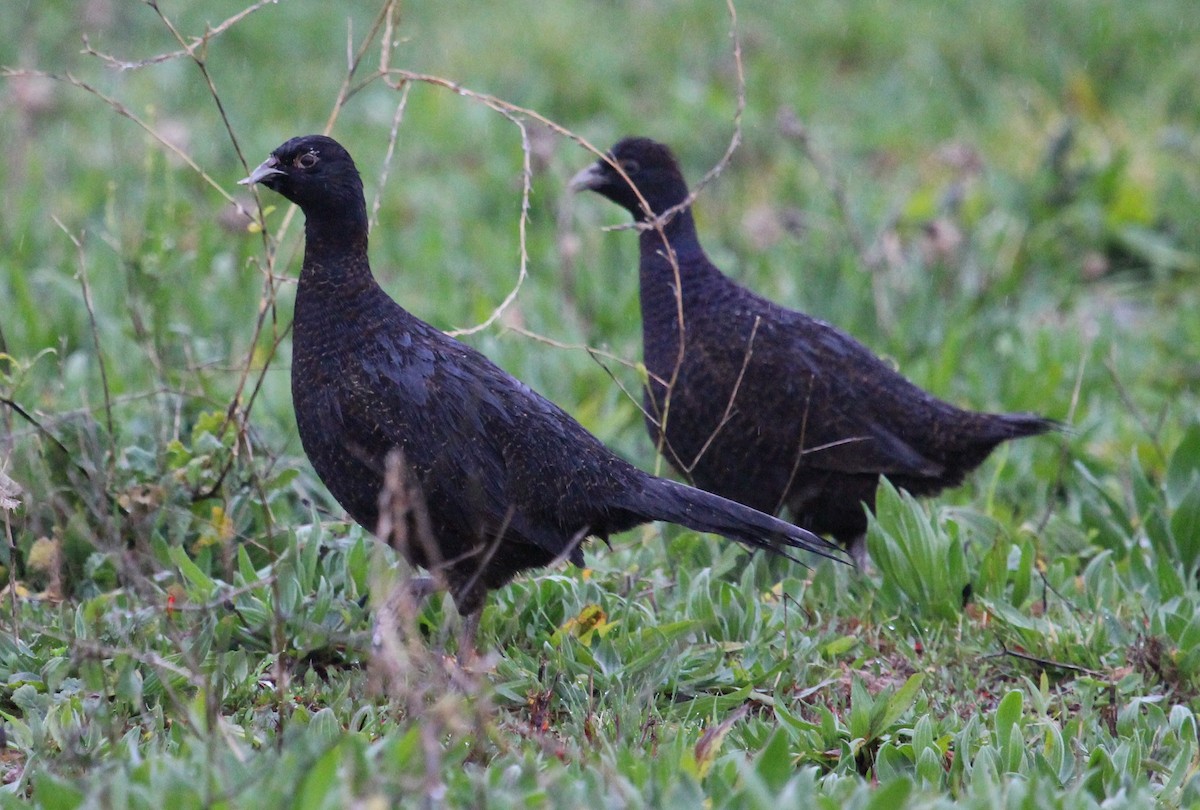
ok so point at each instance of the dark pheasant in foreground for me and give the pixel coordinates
(763, 404)
(510, 481)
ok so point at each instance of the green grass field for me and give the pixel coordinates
(1002, 198)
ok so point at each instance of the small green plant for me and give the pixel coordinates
(1004, 201)
(922, 565)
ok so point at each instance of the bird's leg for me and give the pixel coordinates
(857, 549)
(421, 588)
(400, 608)
(467, 651)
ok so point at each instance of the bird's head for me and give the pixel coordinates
(648, 165)
(313, 171)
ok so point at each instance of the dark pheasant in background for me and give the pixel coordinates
(510, 481)
(763, 404)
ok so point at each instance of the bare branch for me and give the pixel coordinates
(190, 48)
(393, 135)
(123, 111)
(737, 384)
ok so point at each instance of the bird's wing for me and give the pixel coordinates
(487, 446)
(560, 477)
(851, 406)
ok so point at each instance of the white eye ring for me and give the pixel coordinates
(307, 160)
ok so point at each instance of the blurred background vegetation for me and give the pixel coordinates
(1004, 198)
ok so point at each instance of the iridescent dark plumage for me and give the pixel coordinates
(510, 481)
(768, 406)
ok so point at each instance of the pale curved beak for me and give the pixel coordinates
(591, 177)
(264, 170)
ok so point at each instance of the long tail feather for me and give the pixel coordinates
(705, 512)
(1017, 425)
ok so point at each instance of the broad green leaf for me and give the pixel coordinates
(774, 763)
(1184, 467)
(891, 795)
(1009, 739)
(204, 584)
(1185, 529)
(320, 784)
(54, 794)
(902, 700)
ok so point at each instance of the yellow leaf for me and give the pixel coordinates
(592, 620)
(1082, 97)
(219, 530)
(21, 591)
(709, 744)
(1132, 203)
(43, 555)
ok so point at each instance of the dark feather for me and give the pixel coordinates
(510, 481)
(768, 406)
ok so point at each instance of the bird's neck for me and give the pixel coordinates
(675, 276)
(676, 244)
(335, 250)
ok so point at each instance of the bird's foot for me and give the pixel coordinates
(857, 549)
(468, 653)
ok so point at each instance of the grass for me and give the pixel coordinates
(187, 617)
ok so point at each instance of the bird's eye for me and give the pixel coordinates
(629, 166)
(307, 160)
